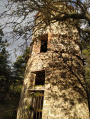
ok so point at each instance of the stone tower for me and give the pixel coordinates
(54, 86)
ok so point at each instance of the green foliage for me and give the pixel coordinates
(38, 94)
(86, 55)
(5, 81)
(5, 70)
(29, 107)
(19, 67)
(13, 80)
(39, 110)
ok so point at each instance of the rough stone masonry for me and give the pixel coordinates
(54, 86)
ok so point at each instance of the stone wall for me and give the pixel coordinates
(64, 89)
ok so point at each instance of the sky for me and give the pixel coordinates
(15, 47)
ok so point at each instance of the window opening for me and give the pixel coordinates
(37, 104)
(40, 78)
(43, 45)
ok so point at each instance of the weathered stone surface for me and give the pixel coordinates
(64, 89)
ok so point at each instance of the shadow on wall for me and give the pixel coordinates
(68, 74)
(67, 85)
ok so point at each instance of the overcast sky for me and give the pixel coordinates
(15, 47)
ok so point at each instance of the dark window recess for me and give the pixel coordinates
(40, 78)
(37, 105)
(44, 45)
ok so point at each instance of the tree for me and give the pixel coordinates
(19, 68)
(50, 12)
(86, 55)
(75, 9)
(11, 82)
(4, 69)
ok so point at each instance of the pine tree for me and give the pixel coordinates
(19, 68)
(4, 69)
